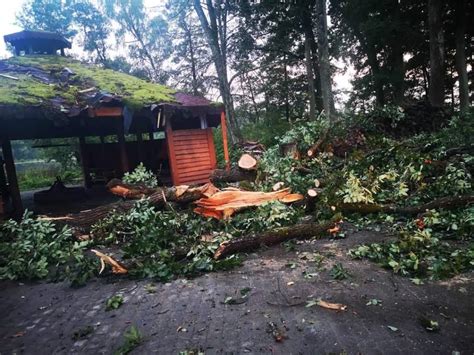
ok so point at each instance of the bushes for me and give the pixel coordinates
(36, 249)
(141, 176)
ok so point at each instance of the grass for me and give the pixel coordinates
(32, 179)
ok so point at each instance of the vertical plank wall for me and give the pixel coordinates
(192, 155)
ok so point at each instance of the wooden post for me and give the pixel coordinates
(224, 141)
(140, 147)
(122, 149)
(171, 155)
(12, 178)
(85, 162)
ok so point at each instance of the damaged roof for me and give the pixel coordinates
(67, 86)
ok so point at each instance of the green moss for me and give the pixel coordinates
(136, 92)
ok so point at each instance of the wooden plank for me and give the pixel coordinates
(195, 153)
(192, 163)
(190, 169)
(84, 162)
(224, 141)
(185, 162)
(191, 144)
(200, 173)
(212, 149)
(106, 112)
(122, 148)
(188, 132)
(12, 178)
(197, 166)
(171, 154)
(199, 141)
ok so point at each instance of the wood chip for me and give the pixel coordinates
(105, 259)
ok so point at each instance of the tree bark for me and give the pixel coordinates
(83, 221)
(397, 64)
(436, 89)
(277, 236)
(233, 175)
(217, 41)
(310, 78)
(448, 202)
(324, 64)
(461, 66)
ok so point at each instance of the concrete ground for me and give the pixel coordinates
(191, 315)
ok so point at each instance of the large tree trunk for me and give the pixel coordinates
(232, 175)
(461, 66)
(83, 221)
(217, 41)
(397, 64)
(436, 90)
(310, 77)
(375, 69)
(448, 202)
(324, 64)
(298, 231)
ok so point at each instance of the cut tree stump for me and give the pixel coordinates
(277, 236)
(247, 162)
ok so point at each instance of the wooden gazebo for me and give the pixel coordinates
(50, 96)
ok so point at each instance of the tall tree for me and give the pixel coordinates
(150, 44)
(437, 68)
(461, 67)
(214, 24)
(47, 15)
(94, 27)
(324, 64)
(191, 56)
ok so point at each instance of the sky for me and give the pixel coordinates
(7, 25)
(7, 19)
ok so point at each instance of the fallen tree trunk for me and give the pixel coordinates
(233, 175)
(448, 202)
(179, 194)
(277, 236)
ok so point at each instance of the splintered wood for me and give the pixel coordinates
(224, 204)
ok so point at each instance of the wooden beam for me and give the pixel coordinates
(122, 149)
(12, 178)
(212, 148)
(171, 154)
(106, 112)
(224, 141)
(85, 162)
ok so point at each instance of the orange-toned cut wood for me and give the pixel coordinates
(247, 162)
(225, 203)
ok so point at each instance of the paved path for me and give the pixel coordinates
(191, 314)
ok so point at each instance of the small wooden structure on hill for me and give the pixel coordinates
(116, 118)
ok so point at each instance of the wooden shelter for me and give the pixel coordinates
(119, 121)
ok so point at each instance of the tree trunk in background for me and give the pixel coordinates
(461, 66)
(397, 64)
(216, 38)
(324, 64)
(310, 77)
(192, 58)
(316, 70)
(436, 90)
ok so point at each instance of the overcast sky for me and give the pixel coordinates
(7, 18)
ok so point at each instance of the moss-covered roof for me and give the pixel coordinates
(43, 80)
